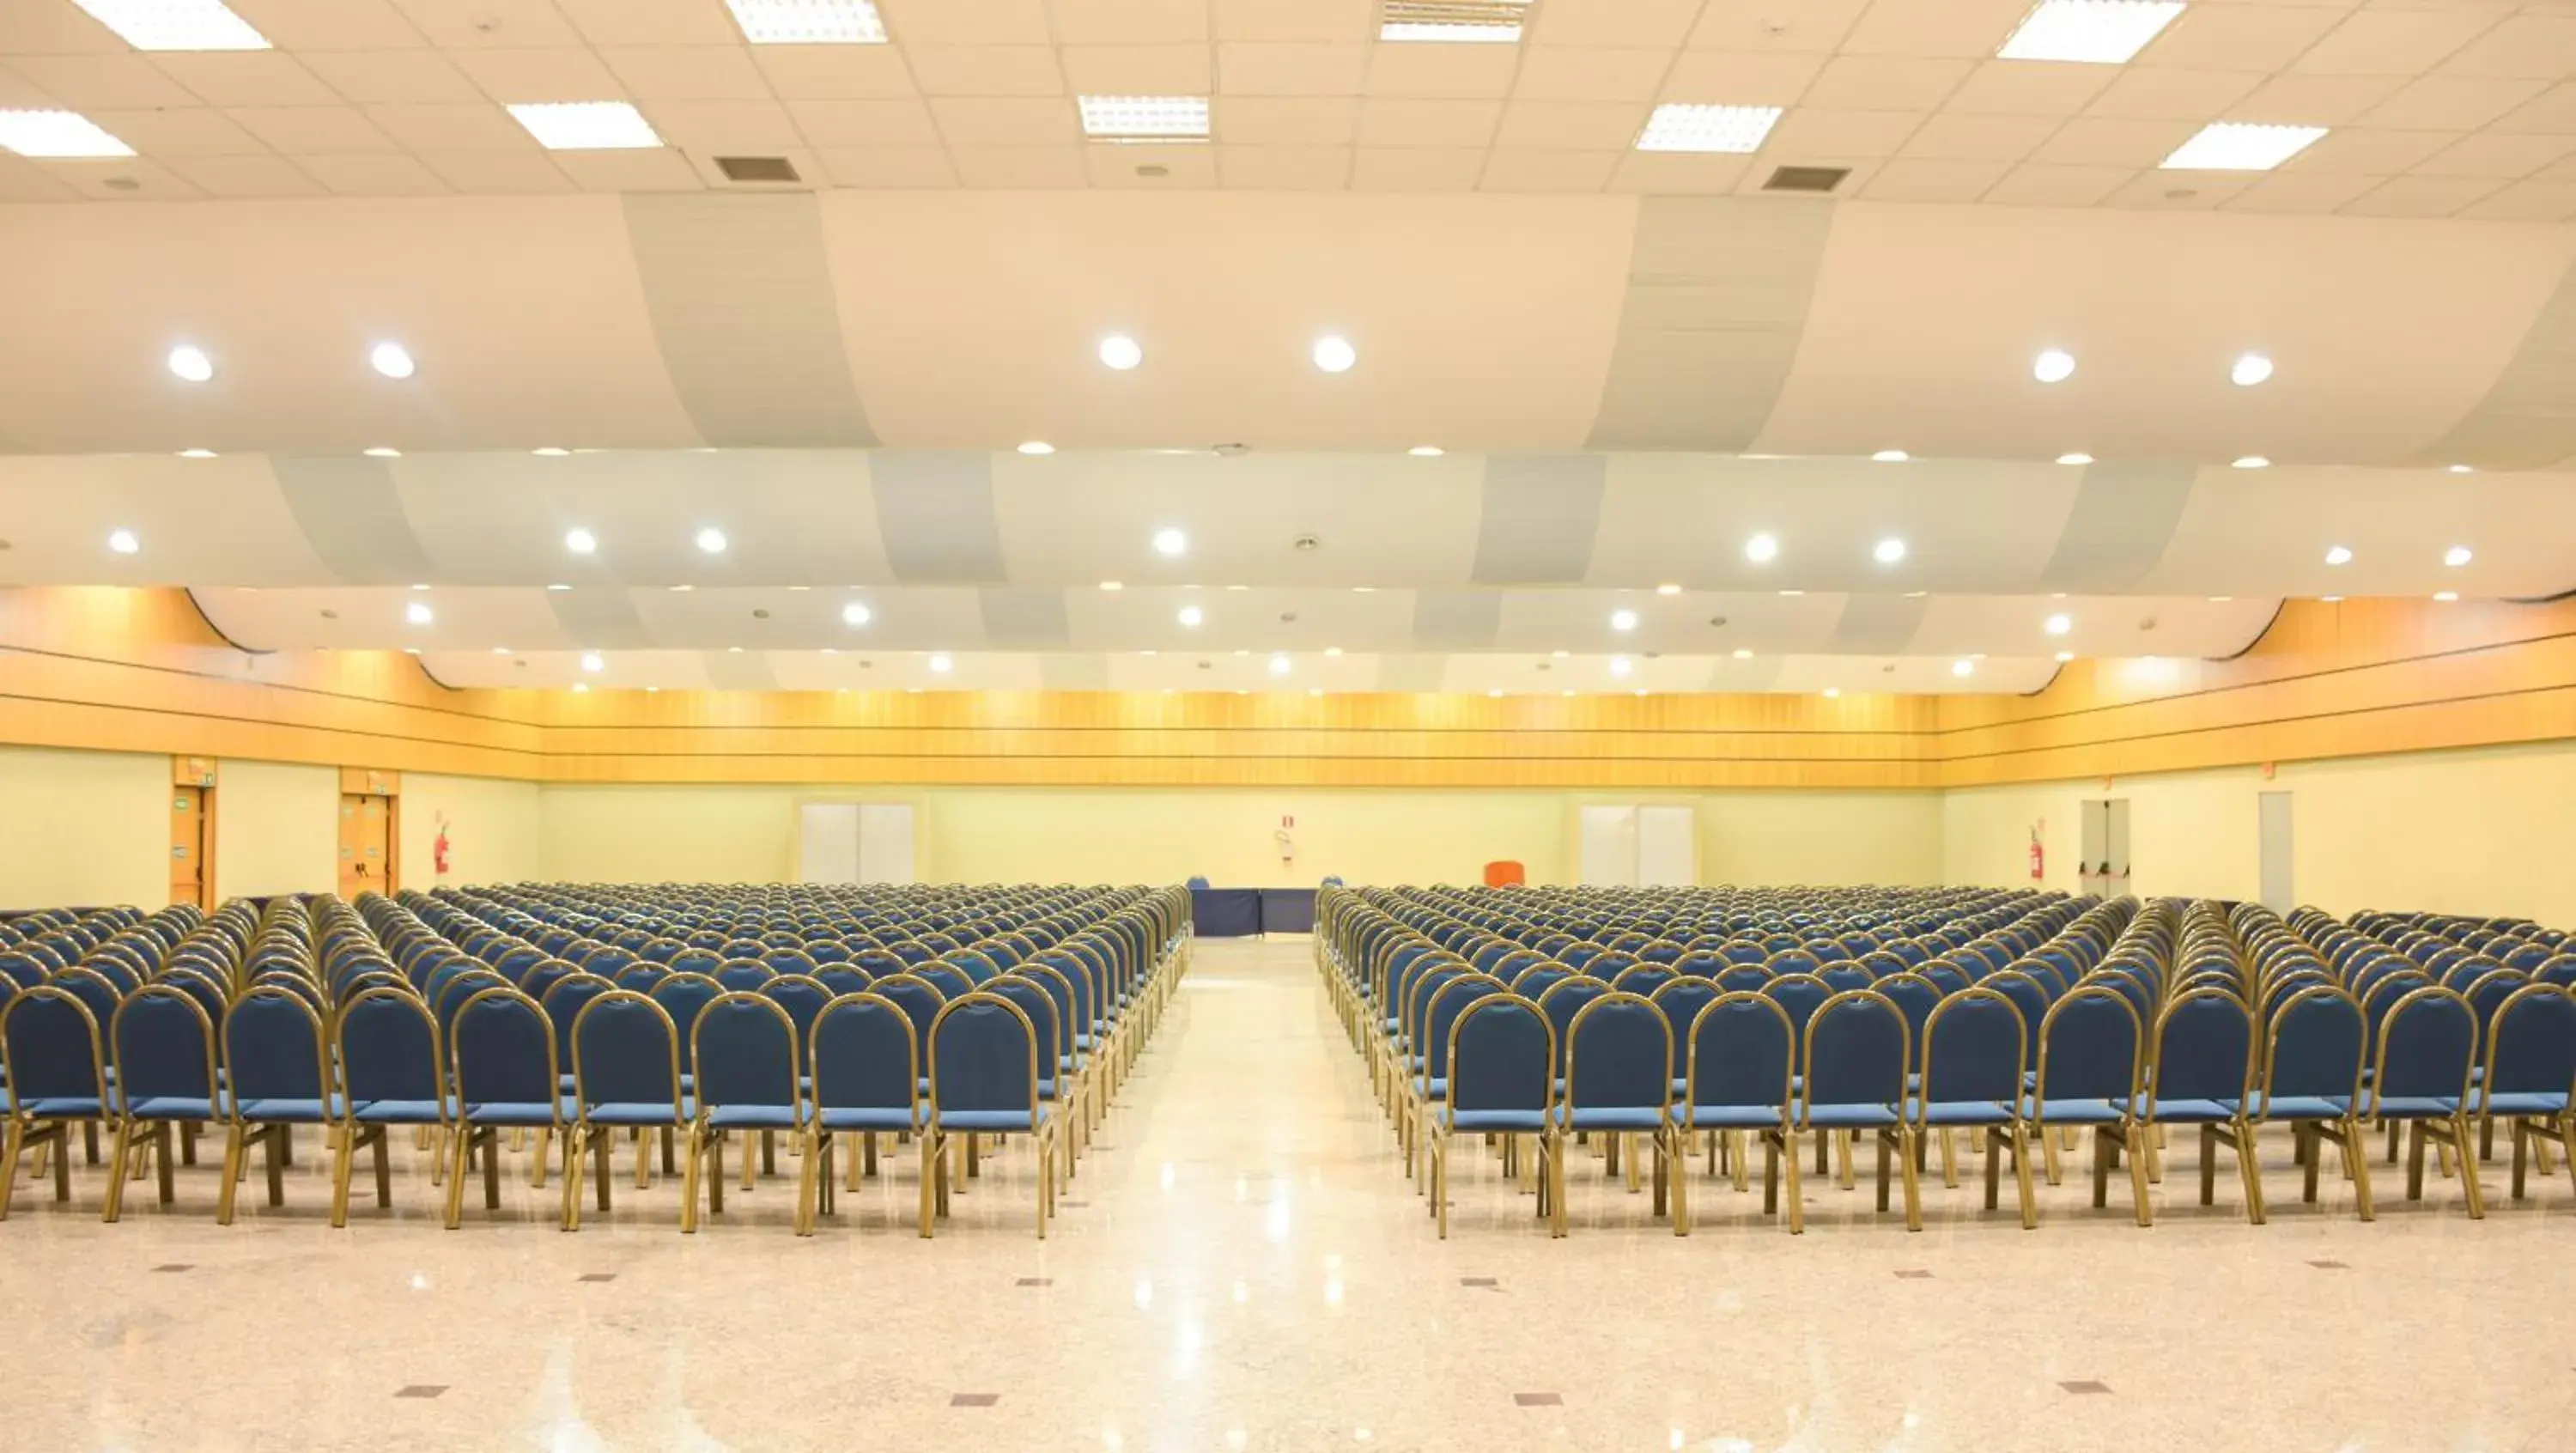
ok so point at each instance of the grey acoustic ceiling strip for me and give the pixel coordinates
(1541, 513)
(2528, 418)
(353, 517)
(747, 671)
(1412, 673)
(1718, 290)
(1457, 620)
(2123, 520)
(1878, 625)
(740, 292)
(935, 512)
(1024, 619)
(1074, 671)
(599, 619)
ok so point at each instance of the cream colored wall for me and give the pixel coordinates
(86, 828)
(277, 828)
(667, 834)
(494, 830)
(1821, 838)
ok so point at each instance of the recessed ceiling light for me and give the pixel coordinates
(2235, 146)
(2330, 599)
(1121, 352)
(1890, 456)
(1363, 590)
(1619, 666)
(1426, 451)
(1112, 585)
(1144, 118)
(558, 587)
(2249, 369)
(1793, 592)
(2457, 556)
(587, 126)
(1171, 542)
(1334, 353)
(196, 453)
(711, 540)
(2446, 596)
(1888, 551)
(1332, 650)
(2220, 599)
(1314, 691)
(550, 451)
(65, 134)
(392, 360)
(123, 542)
(383, 451)
(809, 22)
(1037, 446)
(2074, 458)
(2102, 32)
(2462, 469)
(856, 613)
(500, 650)
(1191, 616)
(2251, 461)
(1279, 665)
(580, 541)
(733, 650)
(2058, 625)
(419, 613)
(593, 661)
(1833, 691)
(942, 665)
(2066, 655)
(581, 688)
(1496, 691)
(1683, 127)
(1468, 22)
(1623, 620)
(1762, 549)
(1963, 668)
(175, 24)
(1743, 654)
(1559, 655)
(2054, 365)
(191, 363)
(2338, 555)
(1668, 589)
(1238, 587)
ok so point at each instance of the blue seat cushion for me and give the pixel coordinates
(1681, 1086)
(1727, 1117)
(1965, 1112)
(757, 1117)
(1020, 1120)
(2186, 1112)
(1846, 1117)
(294, 1112)
(1490, 1119)
(2412, 1107)
(1437, 1089)
(399, 1112)
(1610, 1117)
(1081, 1040)
(2298, 1107)
(515, 1112)
(2073, 1112)
(177, 1107)
(868, 1117)
(638, 1112)
(2521, 1102)
(64, 1107)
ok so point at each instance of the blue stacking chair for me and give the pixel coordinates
(2312, 1070)
(53, 1060)
(386, 1042)
(749, 1073)
(2203, 1072)
(1500, 1054)
(2426, 1065)
(1859, 1053)
(2090, 1062)
(501, 1067)
(2530, 1073)
(1622, 1088)
(278, 1060)
(949, 980)
(626, 1060)
(1738, 1080)
(1426, 1081)
(984, 1053)
(868, 1080)
(1974, 1043)
(165, 1077)
(840, 979)
(742, 975)
(1681, 1000)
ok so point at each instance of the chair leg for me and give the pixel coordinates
(768, 1151)
(13, 1142)
(231, 1177)
(492, 1171)
(537, 1163)
(1883, 1151)
(281, 1154)
(2348, 1135)
(933, 1171)
(116, 1162)
(574, 1155)
(2047, 1152)
(2468, 1170)
(343, 1160)
(2250, 1166)
(1681, 1188)
(2414, 1159)
(2135, 1137)
(695, 1151)
(1913, 1184)
(1994, 1165)
(1770, 1175)
(458, 1138)
(2021, 1175)
(1797, 1198)
(168, 1184)
(1950, 1167)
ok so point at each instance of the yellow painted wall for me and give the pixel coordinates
(277, 828)
(87, 828)
(1821, 838)
(494, 831)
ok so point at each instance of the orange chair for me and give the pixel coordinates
(1505, 875)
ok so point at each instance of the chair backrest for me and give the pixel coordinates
(920, 999)
(1560, 1002)
(2317, 1038)
(388, 1048)
(1858, 1052)
(1440, 1015)
(1054, 1041)
(1643, 978)
(2531, 1042)
(1741, 1052)
(501, 1050)
(683, 997)
(273, 1047)
(984, 1056)
(209, 993)
(165, 1046)
(626, 1051)
(1974, 1045)
(1501, 1055)
(946, 978)
(1916, 997)
(865, 1055)
(846, 979)
(2204, 1047)
(2030, 997)
(1681, 1000)
(1742, 978)
(96, 992)
(51, 1047)
(1799, 996)
(2090, 1047)
(2428, 1044)
(1619, 1054)
(802, 996)
(745, 1048)
(744, 974)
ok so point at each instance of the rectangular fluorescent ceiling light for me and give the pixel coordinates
(57, 134)
(1492, 22)
(1145, 118)
(1680, 127)
(586, 126)
(2237, 146)
(809, 22)
(175, 24)
(2102, 32)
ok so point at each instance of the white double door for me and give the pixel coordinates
(854, 842)
(1627, 846)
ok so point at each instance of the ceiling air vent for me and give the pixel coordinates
(758, 169)
(1452, 20)
(1806, 178)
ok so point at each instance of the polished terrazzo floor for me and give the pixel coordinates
(1241, 1265)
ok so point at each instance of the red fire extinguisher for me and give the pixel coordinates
(438, 851)
(2038, 858)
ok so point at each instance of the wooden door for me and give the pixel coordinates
(366, 838)
(189, 878)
